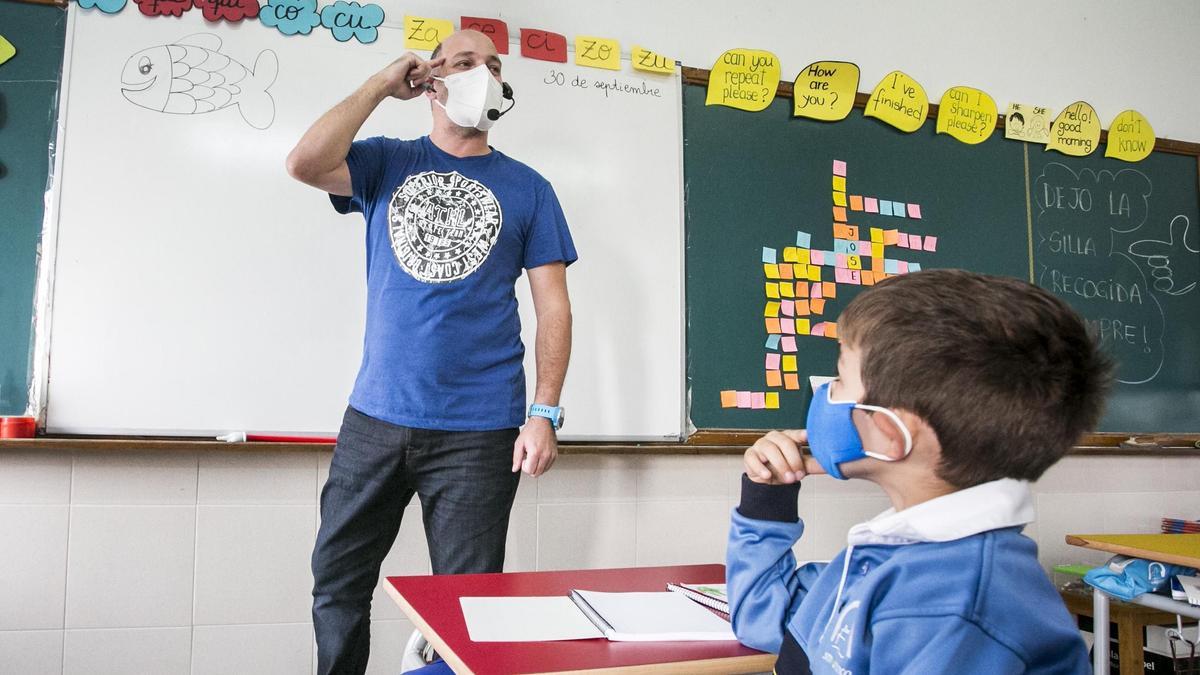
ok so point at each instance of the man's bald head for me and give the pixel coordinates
(465, 40)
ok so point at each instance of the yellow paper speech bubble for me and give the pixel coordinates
(597, 52)
(425, 33)
(644, 59)
(825, 90)
(967, 114)
(745, 79)
(7, 50)
(900, 101)
(1130, 137)
(1076, 130)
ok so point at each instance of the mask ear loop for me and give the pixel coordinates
(899, 424)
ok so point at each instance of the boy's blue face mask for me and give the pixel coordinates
(834, 439)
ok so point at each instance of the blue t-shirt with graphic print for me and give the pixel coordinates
(447, 238)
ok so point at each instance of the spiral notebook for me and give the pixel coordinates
(713, 596)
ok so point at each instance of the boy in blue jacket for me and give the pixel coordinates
(954, 390)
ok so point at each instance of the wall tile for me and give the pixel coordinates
(35, 477)
(32, 652)
(268, 477)
(122, 651)
(167, 478)
(589, 478)
(520, 547)
(32, 582)
(388, 639)
(253, 564)
(685, 477)
(681, 533)
(582, 536)
(130, 566)
(264, 649)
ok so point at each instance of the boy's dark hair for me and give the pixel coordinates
(1017, 117)
(1004, 372)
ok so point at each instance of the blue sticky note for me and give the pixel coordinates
(885, 207)
(898, 209)
(768, 255)
(803, 239)
(841, 246)
(772, 342)
(891, 266)
(914, 267)
(830, 258)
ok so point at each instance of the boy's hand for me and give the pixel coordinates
(775, 459)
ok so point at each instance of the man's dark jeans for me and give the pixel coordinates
(466, 485)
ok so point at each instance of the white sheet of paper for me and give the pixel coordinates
(660, 616)
(525, 619)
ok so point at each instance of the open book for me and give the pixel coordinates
(647, 617)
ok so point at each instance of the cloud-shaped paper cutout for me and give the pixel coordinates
(164, 7)
(290, 17)
(351, 20)
(227, 10)
(106, 6)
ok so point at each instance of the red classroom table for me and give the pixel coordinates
(431, 603)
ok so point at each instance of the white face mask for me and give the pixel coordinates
(470, 95)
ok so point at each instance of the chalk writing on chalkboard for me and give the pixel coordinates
(192, 76)
(1097, 250)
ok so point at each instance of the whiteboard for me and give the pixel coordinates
(198, 289)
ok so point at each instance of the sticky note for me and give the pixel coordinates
(424, 33)
(1130, 137)
(772, 325)
(877, 264)
(967, 115)
(495, 29)
(839, 199)
(914, 267)
(817, 306)
(900, 101)
(789, 343)
(789, 363)
(825, 90)
(745, 79)
(843, 231)
(866, 278)
(772, 342)
(772, 400)
(890, 237)
(1076, 130)
(914, 210)
(645, 60)
(818, 330)
(829, 290)
(898, 209)
(787, 326)
(771, 309)
(885, 207)
(728, 399)
(854, 262)
(814, 273)
(759, 400)
(785, 271)
(876, 250)
(856, 203)
(817, 291)
(802, 256)
(840, 260)
(801, 308)
(543, 45)
(771, 271)
(902, 240)
(788, 307)
(800, 271)
(841, 275)
(768, 255)
(841, 246)
(802, 326)
(831, 329)
(803, 239)
(774, 378)
(816, 258)
(930, 244)
(786, 289)
(839, 183)
(772, 361)
(789, 254)
(891, 266)
(870, 205)
(914, 242)
(877, 234)
(772, 289)
(902, 266)
(839, 214)
(743, 399)
(791, 381)
(839, 167)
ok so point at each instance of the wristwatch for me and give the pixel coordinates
(556, 414)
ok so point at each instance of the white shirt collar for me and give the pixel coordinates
(1001, 503)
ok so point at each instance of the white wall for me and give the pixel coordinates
(165, 563)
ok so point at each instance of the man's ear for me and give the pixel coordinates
(896, 442)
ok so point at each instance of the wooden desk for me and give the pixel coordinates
(1179, 549)
(431, 603)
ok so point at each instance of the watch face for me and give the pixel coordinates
(562, 417)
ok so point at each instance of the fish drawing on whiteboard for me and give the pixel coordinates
(192, 76)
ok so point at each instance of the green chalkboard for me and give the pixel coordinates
(28, 91)
(756, 180)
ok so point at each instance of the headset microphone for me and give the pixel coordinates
(507, 92)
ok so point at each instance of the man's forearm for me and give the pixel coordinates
(327, 142)
(553, 352)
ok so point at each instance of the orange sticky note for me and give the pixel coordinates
(890, 237)
(802, 307)
(772, 400)
(772, 325)
(774, 378)
(867, 277)
(843, 231)
(802, 290)
(729, 399)
(828, 289)
(791, 381)
(785, 271)
(831, 330)
(817, 306)
(772, 271)
(856, 203)
(839, 214)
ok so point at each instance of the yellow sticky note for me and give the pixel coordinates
(877, 251)
(967, 114)
(1130, 137)
(853, 262)
(729, 399)
(650, 62)
(789, 254)
(772, 399)
(814, 273)
(597, 52)
(1076, 130)
(772, 309)
(7, 50)
(900, 101)
(802, 255)
(771, 271)
(745, 79)
(772, 289)
(789, 363)
(425, 33)
(839, 183)
(876, 235)
(803, 326)
(1028, 123)
(839, 199)
(825, 90)
(786, 289)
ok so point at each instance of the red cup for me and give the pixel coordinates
(18, 427)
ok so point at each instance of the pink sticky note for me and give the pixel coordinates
(772, 362)
(841, 260)
(816, 257)
(914, 210)
(816, 292)
(818, 330)
(759, 400)
(788, 326)
(788, 307)
(931, 244)
(914, 242)
(841, 275)
(788, 343)
(902, 240)
(743, 399)
(870, 205)
(902, 266)
(839, 167)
